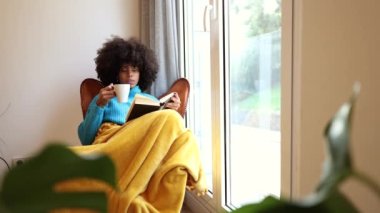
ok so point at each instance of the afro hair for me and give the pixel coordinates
(116, 52)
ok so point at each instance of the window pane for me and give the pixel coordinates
(253, 99)
(197, 46)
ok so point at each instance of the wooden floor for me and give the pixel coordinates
(186, 209)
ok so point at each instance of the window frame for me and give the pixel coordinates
(215, 201)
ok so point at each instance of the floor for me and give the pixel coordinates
(186, 209)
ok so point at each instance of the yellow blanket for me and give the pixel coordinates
(155, 158)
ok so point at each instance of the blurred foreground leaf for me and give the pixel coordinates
(334, 202)
(337, 165)
(29, 187)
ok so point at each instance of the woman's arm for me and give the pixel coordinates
(93, 120)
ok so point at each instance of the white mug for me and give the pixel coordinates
(122, 92)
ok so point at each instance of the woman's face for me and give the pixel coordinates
(129, 75)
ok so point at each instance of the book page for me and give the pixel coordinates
(166, 98)
(140, 99)
(142, 105)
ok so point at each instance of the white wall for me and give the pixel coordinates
(47, 47)
(337, 42)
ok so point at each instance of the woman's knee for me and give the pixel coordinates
(172, 116)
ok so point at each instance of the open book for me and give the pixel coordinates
(142, 105)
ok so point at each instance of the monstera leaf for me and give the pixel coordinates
(333, 202)
(337, 167)
(29, 187)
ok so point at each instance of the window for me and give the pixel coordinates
(253, 37)
(233, 61)
(197, 57)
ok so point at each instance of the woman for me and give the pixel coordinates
(155, 156)
(126, 62)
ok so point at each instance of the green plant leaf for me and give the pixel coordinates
(3, 209)
(334, 202)
(337, 202)
(337, 166)
(29, 187)
(269, 204)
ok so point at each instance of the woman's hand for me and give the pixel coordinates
(175, 102)
(105, 94)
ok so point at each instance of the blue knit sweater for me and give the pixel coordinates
(113, 111)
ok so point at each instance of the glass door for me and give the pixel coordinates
(233, 61)
(253, 100)
(198, 71)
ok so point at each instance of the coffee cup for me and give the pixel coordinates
(122, 92)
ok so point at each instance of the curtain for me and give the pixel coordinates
(160, 32)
